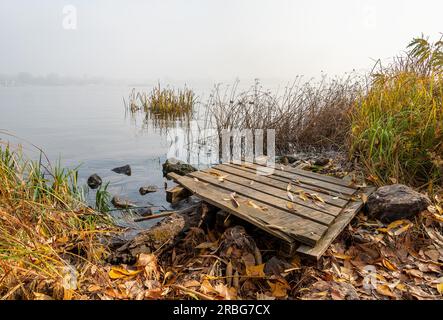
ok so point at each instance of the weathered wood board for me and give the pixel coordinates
(304, 209)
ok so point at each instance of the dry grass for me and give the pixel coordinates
(306, 115)
(50, 242)
(397, 126)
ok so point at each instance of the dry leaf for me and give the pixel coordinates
(278, 289)
(206, 287)
(208, 245)
(225, 292)
(302, 196)
(341, 256)
(256, 271)
(440, 288)
(385, 290)
(389, 265)
(364, 198)
(118, 273)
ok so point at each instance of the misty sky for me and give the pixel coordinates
(208, 39)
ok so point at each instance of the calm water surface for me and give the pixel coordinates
(87, 126)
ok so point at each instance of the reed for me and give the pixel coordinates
(306, 115)
(397, 126)
(164, 103)
(47, 233)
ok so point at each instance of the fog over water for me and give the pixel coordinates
(200, 41)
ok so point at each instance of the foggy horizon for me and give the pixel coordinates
(146, 41)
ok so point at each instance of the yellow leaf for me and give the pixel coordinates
(396, 224)
(341, 256)
(42, 296)
(191, 283)
(255, 206)
(290, 205)
(389, 265)
(317, 197)
(401, 287)
(278, 289)
(206, 287)
(385, 290)
(402, 229)
(118, 273)
(256, 271)
(440, 288)
(68, 294)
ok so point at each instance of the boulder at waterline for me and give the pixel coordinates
(147, 189)
(94, 181)
(123, 170)
(177, 166)
(121, 203)
(395, 202)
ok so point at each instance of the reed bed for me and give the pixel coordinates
(50, 241)
(397, 126)
(306, 115)
(165, 103)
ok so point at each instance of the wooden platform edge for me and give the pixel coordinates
(277, 233)
(339, 224)
(176, 194)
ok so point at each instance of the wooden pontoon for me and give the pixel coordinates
(304, 209)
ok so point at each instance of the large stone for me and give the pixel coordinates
(147, 189)
(121, 203)
(94, 181)
(123, 170)
(394, 202)
(177, 166)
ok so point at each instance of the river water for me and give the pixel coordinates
(88, 126)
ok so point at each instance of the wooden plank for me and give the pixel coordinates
(270, 201)
(310, 174)
(306, 180)
(335, 229)
(333, 194)
(277, 222)
(277, 183)
(176, 194)
(276, 192)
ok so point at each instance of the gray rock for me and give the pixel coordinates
(94, 181)
(394, 202)
(177, 166)
(321, 162)
(147, 189)
(123, 170)
(122, 203)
